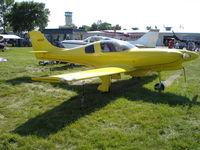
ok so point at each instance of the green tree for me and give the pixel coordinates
(105, 26)
(94, 27)
(5, 7)
(117, 27)
(85, 27)
(27, 16)
(100, 26)
(148, 27)
(74, 26)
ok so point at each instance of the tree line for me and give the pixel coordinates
(29, 15)
(22, 16)
(100, 26)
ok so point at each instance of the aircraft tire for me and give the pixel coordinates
(159, 86)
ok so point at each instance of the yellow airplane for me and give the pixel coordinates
(110, 58)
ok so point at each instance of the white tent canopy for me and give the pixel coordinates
(7, 36)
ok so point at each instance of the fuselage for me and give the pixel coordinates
(78, 43)
(95, 55)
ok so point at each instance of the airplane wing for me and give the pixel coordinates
(84, 74)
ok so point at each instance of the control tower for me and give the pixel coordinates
(68, 18)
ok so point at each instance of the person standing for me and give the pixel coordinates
(171, 44)
(2, 45)
(177, 45)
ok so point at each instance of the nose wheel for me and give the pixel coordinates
(159, 86)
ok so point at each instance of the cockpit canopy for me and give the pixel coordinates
(96, 38)
(115, 45)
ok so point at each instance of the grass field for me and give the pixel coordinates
(39, 115)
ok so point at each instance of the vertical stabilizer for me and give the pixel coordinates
(147, 40)
(41, 45)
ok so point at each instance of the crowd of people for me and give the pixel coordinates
(189, 45)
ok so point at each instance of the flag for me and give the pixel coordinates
(181, 27)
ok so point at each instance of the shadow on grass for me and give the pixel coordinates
(27, 79)
(68, 112)
(65, 67)
(20, 80)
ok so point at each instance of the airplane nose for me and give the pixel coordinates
(188, 55)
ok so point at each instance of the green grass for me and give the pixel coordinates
(38, 115)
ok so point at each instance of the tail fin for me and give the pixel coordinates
(40, 44)
(147, 40)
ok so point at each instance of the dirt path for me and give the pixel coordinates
(171, 79)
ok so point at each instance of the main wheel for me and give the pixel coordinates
(159, 86)
(41, 63)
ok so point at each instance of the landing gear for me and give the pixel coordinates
(159, 86)
(104, 87)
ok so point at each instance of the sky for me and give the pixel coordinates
(182, 15)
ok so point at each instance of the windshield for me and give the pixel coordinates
(115, 46)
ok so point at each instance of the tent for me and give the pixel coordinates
(7, 36)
